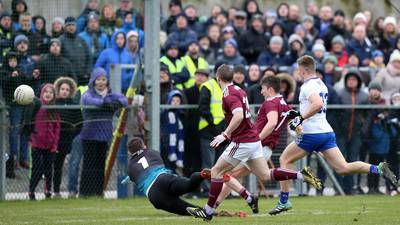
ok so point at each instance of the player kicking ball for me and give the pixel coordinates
(162, 188)
(245, 146)
(317, 135)
(272, 117)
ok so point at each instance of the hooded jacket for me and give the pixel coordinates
(43, 43)
(96, 41)
(251, 44)
(389, 78)
(116, 55)
(15, 14)
(81, 22)
(70, 118)
(126, 27)
(75, 49)
(97, 123)
(47, 125)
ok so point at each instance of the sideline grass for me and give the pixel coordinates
(307, 210)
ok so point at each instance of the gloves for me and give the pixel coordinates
(295, 122)
(218, 140)
(291, 114)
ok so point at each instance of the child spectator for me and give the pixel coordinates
(97, 130)
(173, 133)
(44, 127)
(378, 60)
(65, 92)
(330, 63)
(318, 52)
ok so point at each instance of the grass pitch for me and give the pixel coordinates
(306, 210)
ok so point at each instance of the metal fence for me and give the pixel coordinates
(17, 188)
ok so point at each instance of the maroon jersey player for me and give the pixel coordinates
(244, 147)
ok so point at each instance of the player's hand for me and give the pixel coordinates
(296, 122)
(299, 130)
(219, 139)
(291, 114)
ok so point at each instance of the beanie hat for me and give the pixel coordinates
(271, 13)
(276, 40)
(330, 58)
(69, 21)
(20, 38)
(4, 14)
(376, 53)
(309, 18)
(395, 56)
(58, 20)
(55, 40)
(171, 44)
(339, 12)
(318, 47)
(203, 72)
(390, 20)
(93, 16)
(338, 39)
(231, 42)
(375, 85)
(360, 16)
(295, 37)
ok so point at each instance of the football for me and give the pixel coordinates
(24, 95)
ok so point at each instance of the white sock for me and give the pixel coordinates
(249, 199)
(299, 176)
(209, 210)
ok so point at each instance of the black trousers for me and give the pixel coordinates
(57, 173)
(42, 164)
(167, 189)
(92, 176)
(373, 179)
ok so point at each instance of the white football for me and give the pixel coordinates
(24, 94)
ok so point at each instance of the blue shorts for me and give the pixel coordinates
(316, 142)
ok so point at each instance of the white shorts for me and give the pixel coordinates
(242, 152)
(267, 152)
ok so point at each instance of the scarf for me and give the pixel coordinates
(102, 93)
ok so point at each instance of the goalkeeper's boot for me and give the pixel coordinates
(199, 213)
(310, 178)
(280, 207)
(385, 171)
(206, 174)
(254, 204)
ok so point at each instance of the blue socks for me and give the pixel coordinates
(374, 169)
(284, 197)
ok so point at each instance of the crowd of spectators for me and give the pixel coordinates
(358, 58)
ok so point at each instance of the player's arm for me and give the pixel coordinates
(235, 121)
(272, 117)
(316, 104)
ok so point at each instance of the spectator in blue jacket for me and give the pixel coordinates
(117, 54)
(81, 21)
(97, 130)
(94, 37)
(231, 55)
(360, 44)
(274, 55)
(173, 133)
(182, 35)
(129, 25)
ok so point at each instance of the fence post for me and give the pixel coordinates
(152, 67)
(3, 147)
(115, 78)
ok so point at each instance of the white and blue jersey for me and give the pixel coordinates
(317, 134)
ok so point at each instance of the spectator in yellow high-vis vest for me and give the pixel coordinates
(211, 120)
(178, 73)
(193, 61)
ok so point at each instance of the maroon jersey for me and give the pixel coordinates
(236, 99)
(279, 105)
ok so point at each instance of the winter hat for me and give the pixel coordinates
(330, 58)
(300, 27)
(170, 45)
(69, 21)
(318, 47)
(390, 20)
(227, 29)
(5, 14)
(271, 13)
(93, 16)
(376, 53)
(20, 38)
(395, 56)
(58, 20)
(203, 72)
(276, 40)
(308, 18)
(132, 33)
(55, 40)
(375, 85)
(241, 14)
(338, 39)
(360, 16)
(231, 42)
(295, 37)
(257, 17)
(339, 12)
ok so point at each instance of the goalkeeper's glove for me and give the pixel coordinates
(291, 114)
(296, 122)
